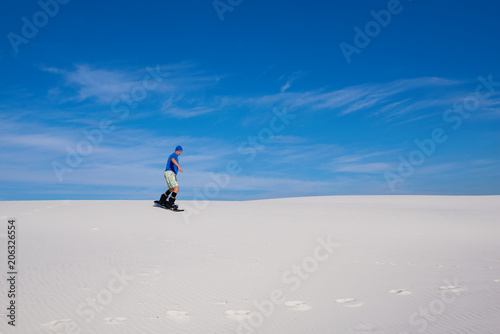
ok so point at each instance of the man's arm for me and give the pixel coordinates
(175, 163)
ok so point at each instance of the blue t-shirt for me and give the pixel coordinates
(170, 164)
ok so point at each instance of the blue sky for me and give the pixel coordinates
(268, 98)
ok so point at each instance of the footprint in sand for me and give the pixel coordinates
(149, 272)
(298, 305)
(452, 288)
(150, 276)
(350, 302)
(114, 321)
(400, 292)
(362, 328)
(57, 325)
(238, 315)
(178, 316)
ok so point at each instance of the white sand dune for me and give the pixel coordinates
(356, 264)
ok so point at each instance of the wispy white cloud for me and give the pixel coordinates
(348, 158)
(392, 106)
(358, 161)
(177, 107)
(182, 90)
(367, 168)
(17, 135)
(291, 79)
(287, 85)
(375, 97)
(170, 83)
(490, 108)
(38, 141)
(436, 169)
(187, 113)
(104, 85)
(288, 140)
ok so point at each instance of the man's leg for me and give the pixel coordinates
(164, 196)
(171, 183)
(171, 200)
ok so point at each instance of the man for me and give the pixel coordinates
(171, 177)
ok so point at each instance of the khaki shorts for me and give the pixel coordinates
(171, 179)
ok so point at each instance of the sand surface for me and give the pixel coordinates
(353, 264)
